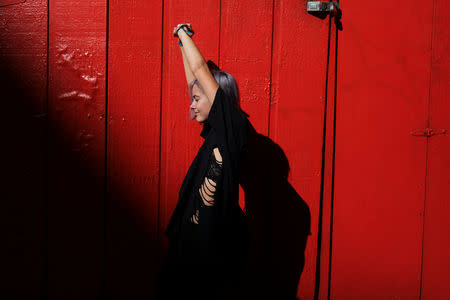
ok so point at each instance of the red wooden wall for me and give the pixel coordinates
(97, 142)
(389, 226)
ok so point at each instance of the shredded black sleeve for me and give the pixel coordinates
(231, 126)
(207, 192)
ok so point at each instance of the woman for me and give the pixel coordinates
(207, 231)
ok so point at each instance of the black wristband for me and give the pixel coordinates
(188, 32)
(186, 29)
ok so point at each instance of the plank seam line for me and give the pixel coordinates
(271, 69)
(158, 221)
(427, 148)
(105, 192)
(46, 160)
(220, 29)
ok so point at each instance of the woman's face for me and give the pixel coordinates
(200, 104)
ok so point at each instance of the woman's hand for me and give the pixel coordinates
(179, 26)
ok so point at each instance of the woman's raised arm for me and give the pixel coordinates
(198, 66)
(187, 69)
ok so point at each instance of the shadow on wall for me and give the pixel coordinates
(279, 223)
(22, 213)
(47, 177)
(53, 213)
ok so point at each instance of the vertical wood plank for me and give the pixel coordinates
(77, 58)
(383, 85)
(180, 138)
(134, 96)
(436, 248)
(23, 84)
(296, 124)
(245, 53)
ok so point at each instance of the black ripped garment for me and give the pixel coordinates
(208, 231)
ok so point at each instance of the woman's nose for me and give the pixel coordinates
(193, 104)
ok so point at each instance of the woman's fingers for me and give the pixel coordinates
(175, 30)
